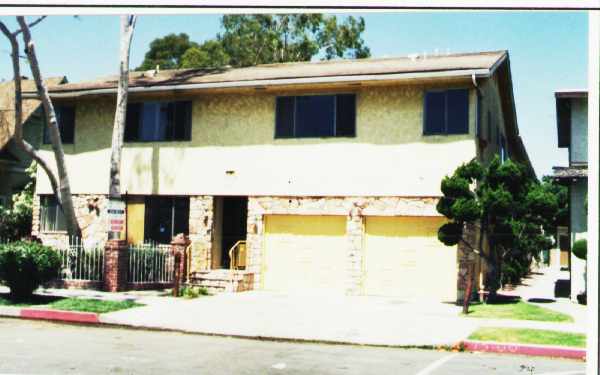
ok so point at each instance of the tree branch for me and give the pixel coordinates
(59, 155)
(32, 24)
(18, 107)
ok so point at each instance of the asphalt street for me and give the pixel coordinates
(35, 347)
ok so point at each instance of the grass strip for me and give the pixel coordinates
(517, 310)
(529, 336)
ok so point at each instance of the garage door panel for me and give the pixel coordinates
(404, 258)
(305, 254)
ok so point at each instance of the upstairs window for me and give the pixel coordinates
(165, 218)
(313, 116)
(65, 116)
(52, 218)
(159, 121)
(446, 112)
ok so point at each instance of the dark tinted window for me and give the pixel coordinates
(284, 118)
(158, 121)
(51, 216)
(345, 115)
(165, 218)
(435, 112)
(457, 103)
(65, 116)
(316, 116)
(447, 112)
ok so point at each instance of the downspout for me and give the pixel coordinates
(478, 104)
(481, 225)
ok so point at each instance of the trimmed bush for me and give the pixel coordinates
(580, 249)
(24, 266)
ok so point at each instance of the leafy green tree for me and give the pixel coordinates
(514, 213)
(167, 52)
(247, 40)
(208, 54)
(580, 249)
(15, 222)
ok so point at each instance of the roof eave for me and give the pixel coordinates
(466, 73)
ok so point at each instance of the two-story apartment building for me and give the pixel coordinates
(330, 171)
(572, 127)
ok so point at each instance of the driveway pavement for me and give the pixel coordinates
(359, 320)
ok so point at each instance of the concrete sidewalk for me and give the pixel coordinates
(354, 320)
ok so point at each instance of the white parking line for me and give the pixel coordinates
(429, 369)
(579, 372)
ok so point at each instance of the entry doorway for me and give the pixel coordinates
(230, 226)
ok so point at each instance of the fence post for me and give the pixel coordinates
(116, 262)
(178, 246)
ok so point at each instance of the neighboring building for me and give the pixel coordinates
(330, 171)
(13, 160)
(572, 126)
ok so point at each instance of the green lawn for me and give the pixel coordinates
(517, 310)
(529, 336)
(92, 305)
(72, 304)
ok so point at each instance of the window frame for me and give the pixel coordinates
(335, 116)
(149, 223)
(55, 221)
(46, 140)
(189, 119)
(445, 91)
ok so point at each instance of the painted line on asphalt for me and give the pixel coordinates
(429, 369)
(577, 372)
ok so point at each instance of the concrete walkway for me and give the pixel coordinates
(539, 289)
(357, 320)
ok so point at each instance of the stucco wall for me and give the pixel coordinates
(579, 130)
(578, 213)
(389, 156)
(491, 120)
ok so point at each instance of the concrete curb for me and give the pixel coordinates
(525, 349)
(469, 345)
(47, 314)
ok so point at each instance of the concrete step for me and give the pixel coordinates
(222, 280)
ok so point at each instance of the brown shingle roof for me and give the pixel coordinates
(7, 102)
(298, 70)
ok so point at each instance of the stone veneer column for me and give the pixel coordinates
(355, 226)
(116, 262)
(254, 241)
(200, 226)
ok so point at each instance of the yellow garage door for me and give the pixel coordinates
(404, 258)
(305, 254)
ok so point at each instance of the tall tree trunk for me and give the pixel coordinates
(18, 107)
(114, 187)
(127, 26)
(66, 201)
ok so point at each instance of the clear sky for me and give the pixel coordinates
(548, 51)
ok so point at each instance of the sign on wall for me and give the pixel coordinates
(116, 219)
